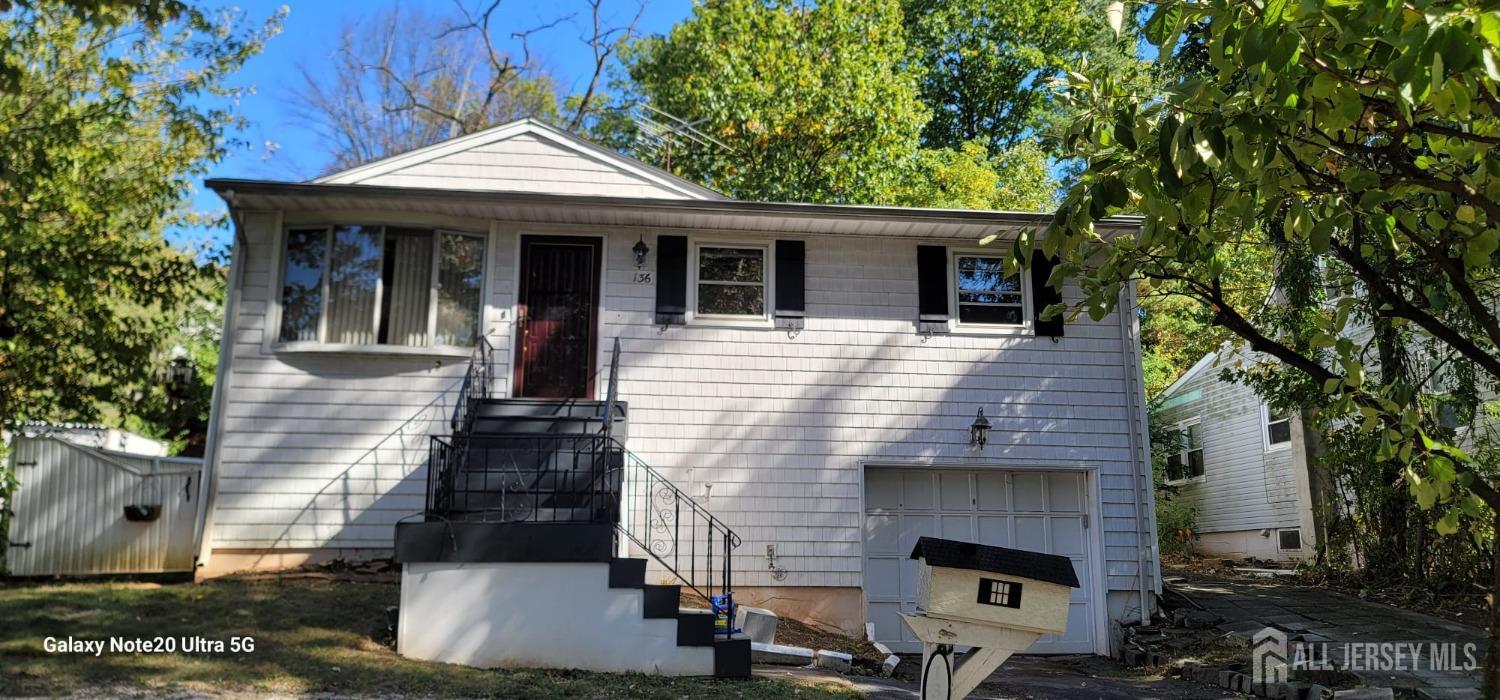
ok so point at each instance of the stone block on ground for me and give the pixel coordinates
(835, 661)
(758, 624)
(891, 662)
(780, 655)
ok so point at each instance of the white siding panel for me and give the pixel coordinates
(1244, 485)
(523, 163)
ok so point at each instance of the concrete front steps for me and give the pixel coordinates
(595, 616)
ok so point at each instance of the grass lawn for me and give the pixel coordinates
(311, 636)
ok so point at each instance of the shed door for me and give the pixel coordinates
(1034, 510)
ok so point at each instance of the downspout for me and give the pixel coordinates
(1147, 563)
(208, 481)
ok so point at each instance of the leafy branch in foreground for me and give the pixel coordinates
(1356, 141)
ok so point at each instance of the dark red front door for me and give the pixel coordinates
(558, 313)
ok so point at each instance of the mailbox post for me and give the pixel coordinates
(994, 599)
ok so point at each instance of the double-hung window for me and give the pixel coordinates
(985, 295)
(1278, 428)
(381, 286)
(731, 281)
(1187, 462)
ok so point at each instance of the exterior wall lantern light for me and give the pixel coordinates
(979, 432)
(640, 249)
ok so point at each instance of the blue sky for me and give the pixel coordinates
(282, 147)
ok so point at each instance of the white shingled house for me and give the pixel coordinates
(518, 346)
(1241, 463)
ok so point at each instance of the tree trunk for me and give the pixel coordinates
(1492, 649)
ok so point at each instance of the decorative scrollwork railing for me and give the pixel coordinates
(476, 386)
(675, 529)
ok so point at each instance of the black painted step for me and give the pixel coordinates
(662, 602)
(732, 656)
(695, 627)
(627, 573)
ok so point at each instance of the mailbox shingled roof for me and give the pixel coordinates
(1001, 560)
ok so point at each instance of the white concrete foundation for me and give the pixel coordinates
(547, 615)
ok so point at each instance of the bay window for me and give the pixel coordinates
(361, 285)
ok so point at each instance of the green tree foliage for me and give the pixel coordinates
(986, 66)
(1356, 141)
(101, 135)
(807, 102)
(970, 178)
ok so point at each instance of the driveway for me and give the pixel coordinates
(1027, 678)
(1342, 625)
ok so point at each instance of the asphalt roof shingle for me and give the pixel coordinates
(1001, 560)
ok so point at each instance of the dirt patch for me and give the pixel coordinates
(792, 632)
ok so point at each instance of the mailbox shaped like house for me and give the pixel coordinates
(1010, 588)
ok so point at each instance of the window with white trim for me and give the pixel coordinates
(985, 294)
(1187, 462)
(381, 285)
(731, 281)
(1278, 427)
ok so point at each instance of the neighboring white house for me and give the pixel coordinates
(1242, 464)
(809, 374)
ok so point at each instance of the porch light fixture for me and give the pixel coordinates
(640, 249)
(979, 432)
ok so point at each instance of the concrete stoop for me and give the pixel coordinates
(591, 616)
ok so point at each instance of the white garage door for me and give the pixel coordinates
(1039, 511)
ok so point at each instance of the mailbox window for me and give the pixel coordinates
(1006, 594)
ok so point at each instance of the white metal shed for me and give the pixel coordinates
(81, 509)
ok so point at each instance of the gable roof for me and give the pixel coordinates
(547, 160)
(1050, 568)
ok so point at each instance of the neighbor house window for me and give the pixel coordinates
(986, 295)
(1289, 540)
(381, 285)
(1187, 461)
(1006, 594)
(731, 281)
(1278, 427)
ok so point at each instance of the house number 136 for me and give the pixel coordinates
(643, 278)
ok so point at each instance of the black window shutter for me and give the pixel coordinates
(790, 278)
(932, 283)
(1043, 295)
(671, 280)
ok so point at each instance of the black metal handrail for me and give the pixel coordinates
(675, 529)
(478, 381)
(526, 477)
(613, 393)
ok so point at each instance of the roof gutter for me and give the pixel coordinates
(729, 206)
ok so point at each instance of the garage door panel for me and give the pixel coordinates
(990, 492)
(995, 530)
(883, 534)
(953, 491)
(1042, 511)
(918, 491)
(883, 578)
(1028, 492)
(883, 490)
(914, 527)
(1067, 535)
(957, 527)
(887, 621)
(1065, 493)
(1030, 533)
